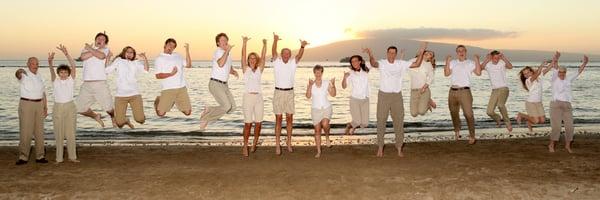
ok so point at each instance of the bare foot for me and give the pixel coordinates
(289, 148)
(518, 117)
(456, 135)
(74, 161)
(245, 151)
(380, 152)
(568, 147)
(278, 150)
(327, 143)
(318, 154)
(347, 131)
(530, 126)
(472, 140)
(98, 119)
(129, 124)
(498, 124)
(352, 130)
(509, 128)
(432, 104)
(156, 105)
(400, 154)
(203, 125)
(253, 149)
(204, 111)
(551, 147)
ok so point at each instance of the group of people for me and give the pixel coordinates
(169, 66)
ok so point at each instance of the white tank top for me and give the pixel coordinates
(319, 95)
(252, 80)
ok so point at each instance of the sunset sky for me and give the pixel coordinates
(32, 28)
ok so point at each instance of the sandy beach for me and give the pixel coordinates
(491, 169)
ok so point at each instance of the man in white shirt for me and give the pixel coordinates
(33, 109)
(389, 98)
(168, 68)
(496, 65)
(460, 96)
(95, 88)
(561, 110)
(218, 87)
(284, 67)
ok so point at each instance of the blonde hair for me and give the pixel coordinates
(257, 60)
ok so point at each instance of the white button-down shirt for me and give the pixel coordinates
(561, 89)
(32, 85)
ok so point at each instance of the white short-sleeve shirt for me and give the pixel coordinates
(220, 73)
(127, 72)
(461, 72)
(319, 95)
(285, 73)
(392, 74)
(164, 63)
(63, 90)
(497, 74)
(359, 81)
(93, 68)
(32, 85)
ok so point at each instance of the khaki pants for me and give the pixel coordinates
(31, 124)
(561, 112)
(137, 109)
(225, 99)
(419, 102)
(390, 103)
(64, 118)
(359, 110)
(498, 99)
(458, 99)
(178, 97)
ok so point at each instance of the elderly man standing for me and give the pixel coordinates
(32, 111)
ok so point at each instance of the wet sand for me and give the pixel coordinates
(491, 169)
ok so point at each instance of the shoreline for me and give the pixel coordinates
(306, 138)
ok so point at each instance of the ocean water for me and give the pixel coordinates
(176, 125)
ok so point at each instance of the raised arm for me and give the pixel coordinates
(505, 59)
(478, 69)
(223, 59)
(188, 58)
(263, 54)
(244, 58)
(309, 88)
(274, 48)
(95, 52)
(19, 74)
(447, 70)
(345, 80)
(488, 58)
(146, 63)
(420, 53)
(372, 60)
(303, 44)
(72, 65)
(538, 72)
(51, 66)
(584, 64)
(331, 88)
(402, 54)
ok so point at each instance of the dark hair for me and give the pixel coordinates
(103, 35)
(460, 45)
(363, 66)
(392, 47)
(122, 54)
(523, 78)
(171, 40)
(432, 57)
(219, 36)
(318, 67)
(63, 67)
(494, 52)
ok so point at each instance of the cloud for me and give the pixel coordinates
(437, 33)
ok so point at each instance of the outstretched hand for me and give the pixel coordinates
(448, 58)
(50, 57)
(63, 49)
(367, 51)
(142, 55)
(585, 59)
(303, 43)
(310, 82)
(276, 37)
(186, 46)
(346, 74)
(245, 39)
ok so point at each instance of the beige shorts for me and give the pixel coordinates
(283, 102)
(92, 92)
(319, 114)
(253, 108)
(178, 97)
(535, 109)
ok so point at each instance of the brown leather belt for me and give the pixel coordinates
(33, 100)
